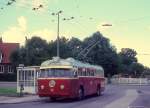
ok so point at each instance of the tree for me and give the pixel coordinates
(75, 46)
(129, 63)
(64, 49)
(136, 69)
(34, 52)
(95, 49)
(128, 56)
(18, 56)
(146, 72)
(102, 53)
(15, 57)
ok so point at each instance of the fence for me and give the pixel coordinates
(138, 81)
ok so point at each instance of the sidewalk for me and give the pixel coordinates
(15, 100)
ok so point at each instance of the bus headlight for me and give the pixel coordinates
(42, 87)
(62, 87)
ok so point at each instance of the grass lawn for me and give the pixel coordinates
(6, 91)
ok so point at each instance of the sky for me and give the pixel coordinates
(129, 19)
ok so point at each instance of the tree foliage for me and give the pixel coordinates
(101, 53)
(95, 49)
(129, 63)
(33, 53)
(128, 56)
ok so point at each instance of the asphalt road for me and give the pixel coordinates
(114, 97)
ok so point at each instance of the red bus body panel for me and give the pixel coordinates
(56, 91)
(71, 86)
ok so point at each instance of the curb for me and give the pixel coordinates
(17, 100)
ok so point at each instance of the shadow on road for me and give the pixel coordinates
(63, 100)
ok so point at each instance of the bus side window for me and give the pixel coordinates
(88, 73)
(84, 72)
(79, 72)
(92, 73)
(98, 73)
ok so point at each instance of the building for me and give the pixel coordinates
(6, 49)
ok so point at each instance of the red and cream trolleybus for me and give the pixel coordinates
(69, 78)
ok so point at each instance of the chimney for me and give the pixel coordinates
(1, 40)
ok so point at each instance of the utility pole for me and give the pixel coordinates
(58, 28)
(58, 24)
(27, 49)
(58, 36)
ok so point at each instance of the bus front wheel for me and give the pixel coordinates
(80, 94)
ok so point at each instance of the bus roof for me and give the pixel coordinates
(69, 62)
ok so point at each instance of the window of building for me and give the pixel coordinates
(1, 69)
(10, 70)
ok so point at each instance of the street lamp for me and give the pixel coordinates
(58, 24)
(58, 15)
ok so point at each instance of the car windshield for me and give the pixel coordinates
(56, 73)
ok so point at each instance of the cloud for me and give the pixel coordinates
(45, 33)
(22, 23)
(15, 33)
(18, 32)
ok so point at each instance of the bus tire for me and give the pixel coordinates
(52, 98)
(81, 93)
(98, 91)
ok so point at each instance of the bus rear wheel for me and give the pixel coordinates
(98, 91)
(80, 94)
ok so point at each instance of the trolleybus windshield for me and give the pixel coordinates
(44, 73)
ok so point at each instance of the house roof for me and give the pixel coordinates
(6, 49)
